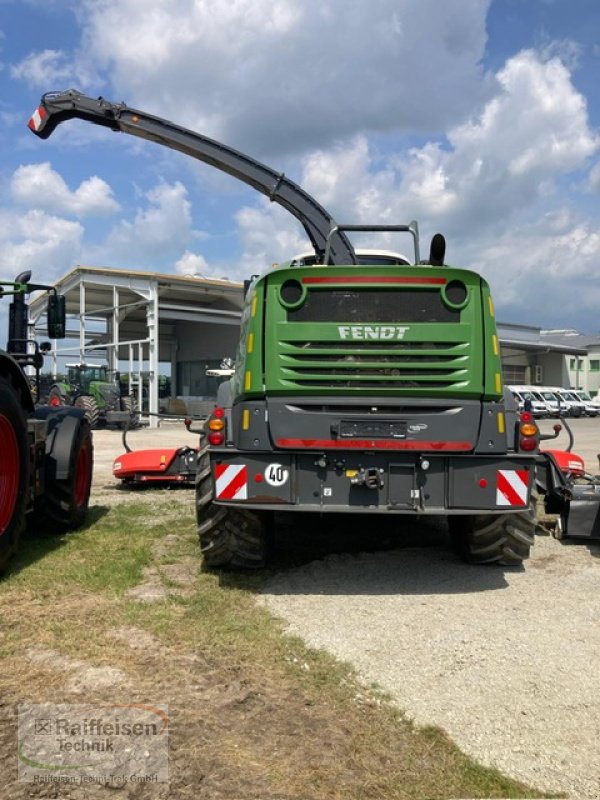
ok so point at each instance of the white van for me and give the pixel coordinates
(539, 407)
(552, 401)
(591, 410)
(571, 405)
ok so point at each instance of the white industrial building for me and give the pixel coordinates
(143, 323)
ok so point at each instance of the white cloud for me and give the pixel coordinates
(46, 244)
(268, 235)
(537, 123)
(192, 264)
(492, 168)
(489, 186)
(160, 230)
(543, 272)
(54, 68)
(281, 75)
(40, 186)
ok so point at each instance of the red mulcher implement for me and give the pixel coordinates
(47, 454)
(165, 466)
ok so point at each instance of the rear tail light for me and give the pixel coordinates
(217, 427)
(524, 443)
(529, 433)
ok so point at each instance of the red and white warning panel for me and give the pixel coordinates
(37, 118)
(511, 487)
(231, 481)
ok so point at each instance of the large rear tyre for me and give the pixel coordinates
(230, 538)
(14, 469)
(504, 539)
(90, 407)
(66, 500)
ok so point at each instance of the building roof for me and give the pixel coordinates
(99, 282)
(530, 338)
(94, 292)
(571, 339)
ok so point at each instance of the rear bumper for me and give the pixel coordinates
(373, 482)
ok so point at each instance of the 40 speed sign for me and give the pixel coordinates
(276, 475)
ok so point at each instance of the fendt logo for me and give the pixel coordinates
(377, 332)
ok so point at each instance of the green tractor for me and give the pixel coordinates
(92, 388)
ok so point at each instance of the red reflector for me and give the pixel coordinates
(219, 413)
(526, 416)
(378, 279)
(483, 483)
(258, 477)
(526, 444)
(215, 438)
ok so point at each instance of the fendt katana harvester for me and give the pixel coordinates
(46, 454)
(364, 389)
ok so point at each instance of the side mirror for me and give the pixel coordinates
(57, 316)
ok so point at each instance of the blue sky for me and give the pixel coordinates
(479, 118)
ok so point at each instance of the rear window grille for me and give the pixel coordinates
(373, 305)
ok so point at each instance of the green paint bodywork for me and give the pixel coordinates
(281, 357)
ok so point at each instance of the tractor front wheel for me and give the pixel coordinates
(230, 538)
(504, 539)
(14, 469)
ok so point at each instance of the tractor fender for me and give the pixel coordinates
(63, 389)
(62, 425)
(9, 367)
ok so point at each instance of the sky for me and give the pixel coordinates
(478, 118)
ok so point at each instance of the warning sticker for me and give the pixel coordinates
(231, 481)
(511, 487)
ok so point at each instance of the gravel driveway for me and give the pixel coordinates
(506, 660)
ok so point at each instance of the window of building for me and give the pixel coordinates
(514, 373)
(594, 365)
